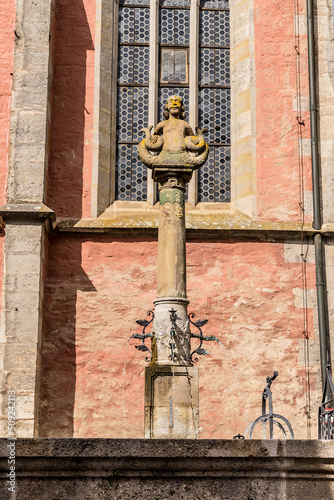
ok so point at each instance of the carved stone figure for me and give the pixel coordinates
(174, 140)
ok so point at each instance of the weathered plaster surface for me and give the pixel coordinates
(93, 385)
(72, 103)
(278, 181)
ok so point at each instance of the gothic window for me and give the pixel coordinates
(173, 47)
(133, 102)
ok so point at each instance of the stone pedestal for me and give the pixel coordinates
(171, 402)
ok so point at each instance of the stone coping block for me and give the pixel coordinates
(25, 212)
(163, 469)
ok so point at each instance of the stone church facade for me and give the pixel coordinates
(78, 242)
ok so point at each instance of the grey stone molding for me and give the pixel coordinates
(163, 469)
(215, 226)
(27, 212)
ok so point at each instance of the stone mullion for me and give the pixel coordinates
(105, 101)
(153, 84)
(114, 100)
(193, 87)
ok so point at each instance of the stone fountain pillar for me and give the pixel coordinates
(171, 380)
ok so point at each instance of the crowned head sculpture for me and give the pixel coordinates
(174, 140)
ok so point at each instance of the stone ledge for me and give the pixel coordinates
(307, 449)
(203, 225)
(160, 469)
(25, 212)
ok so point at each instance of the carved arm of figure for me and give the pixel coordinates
(195, 143)
(152, 142)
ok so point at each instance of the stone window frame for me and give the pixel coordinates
(243, 107)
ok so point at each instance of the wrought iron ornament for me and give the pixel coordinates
(172, 345)
(326, 412)
(270, 417)
(143, 336)
(208, 338)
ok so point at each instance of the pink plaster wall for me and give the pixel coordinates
(278, 181)
(93, 386)
(72, 99)
(7, 40)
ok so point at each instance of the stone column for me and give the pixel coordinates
(171, 381)
(25, 215)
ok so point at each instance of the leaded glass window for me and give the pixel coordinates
(214, 113)
(133, 80)
(159, 55)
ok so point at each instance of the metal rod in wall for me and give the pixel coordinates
(318, 246)
(313, 116)
(320, 283)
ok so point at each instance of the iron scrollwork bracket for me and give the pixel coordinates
(208, 338)
(143, 336)
(326, 410)
(172, 345)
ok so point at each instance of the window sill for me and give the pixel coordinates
(139, 219)
(120, 209)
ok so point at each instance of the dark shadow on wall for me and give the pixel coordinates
(64, 278)
(71, 39)
(95, 289)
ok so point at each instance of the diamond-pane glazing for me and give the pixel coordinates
(214, 66)
(206, 66)
(123, 172)
(142, 25)
(215, 4)
(206, 179)
(214, 114)
(174, 26)
(175, 3)
(131, 174)
(125, 64)
(214, 177)
(132, 113)
(133, 65)
(222, 66)
(139, 112)
(165, 92)
(126, 25)
(139, 177)
(134, 25)
(214, 27)
(134, 2)
(124, 116)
